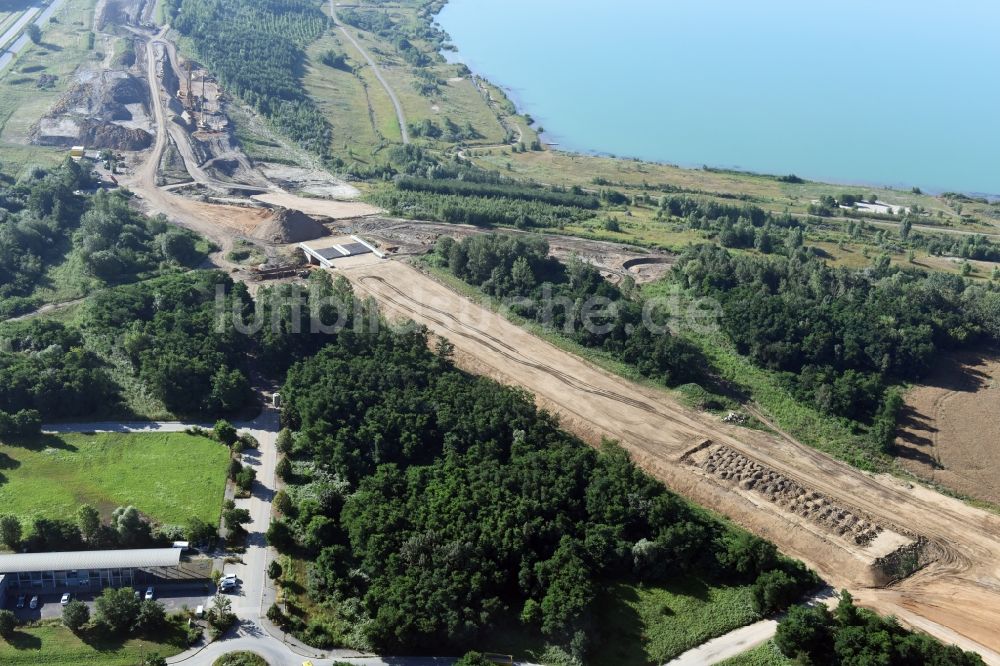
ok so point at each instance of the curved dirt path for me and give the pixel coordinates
(400, 116)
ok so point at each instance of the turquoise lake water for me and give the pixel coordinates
(880, 92)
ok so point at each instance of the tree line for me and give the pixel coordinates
(499, 190)
(484, 211)
(573, 299)
(840, 339)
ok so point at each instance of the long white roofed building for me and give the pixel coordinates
(87, 569)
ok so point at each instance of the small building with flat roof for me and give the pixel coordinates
(88, 569)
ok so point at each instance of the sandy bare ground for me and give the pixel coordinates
(956, 597)
(614, 260)
(950, 428)
(322, 207)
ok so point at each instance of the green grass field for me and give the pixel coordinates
(343, 97)
(652, 625)
(169, 477)
(51, 643)
(765, 654)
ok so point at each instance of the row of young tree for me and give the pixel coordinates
(573, 299)
(438, 505)
(257, 49)
(476, 209)
(499, 190)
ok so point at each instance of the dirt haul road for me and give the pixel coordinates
(858, 531)
(218, 223)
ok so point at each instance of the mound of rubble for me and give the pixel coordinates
(93, 134)
(102, 110)
(732, 466)
(289, 226)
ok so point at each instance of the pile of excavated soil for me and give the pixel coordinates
(116, 137)
(289, 226)
(68, 131)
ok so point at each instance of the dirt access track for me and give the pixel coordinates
(859, 531)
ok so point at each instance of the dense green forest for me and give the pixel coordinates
(42, 221)
(46, 372)
(841, 338)
(573, 299)
(851, 635)
(162, 334)
(257, 49)
(438, 505)
(167, 334)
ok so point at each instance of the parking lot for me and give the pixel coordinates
(172, 597)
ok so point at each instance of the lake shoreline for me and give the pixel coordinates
(562, 142)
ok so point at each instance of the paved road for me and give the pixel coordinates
(18, 26)
(400, 116)
(129, 426)
(254, 639)
(727, 646)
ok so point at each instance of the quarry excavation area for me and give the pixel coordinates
(932, 561)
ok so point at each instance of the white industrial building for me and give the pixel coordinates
(86, 569)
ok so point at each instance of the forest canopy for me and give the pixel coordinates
(439, 505)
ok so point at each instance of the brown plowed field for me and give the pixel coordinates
(956, 597)
(951, 426)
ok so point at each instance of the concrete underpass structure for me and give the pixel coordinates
(325, 251)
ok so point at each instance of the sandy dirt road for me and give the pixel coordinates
(956, 597)
(331, 208)
(219, 223)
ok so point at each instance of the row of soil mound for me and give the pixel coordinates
(289, 226)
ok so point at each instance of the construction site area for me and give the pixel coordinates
(901, 548)
(928, 559)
